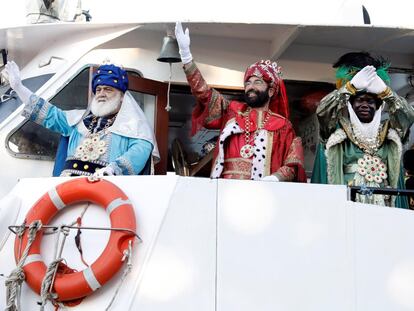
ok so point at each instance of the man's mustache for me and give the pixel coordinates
(252, 91)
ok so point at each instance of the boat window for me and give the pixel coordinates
(9, 101)
(187, 154)
(31, 140)
(186, 151)
(304, 98)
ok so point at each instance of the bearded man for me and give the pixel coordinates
(112, 137)
(362, 146)
(257, 140)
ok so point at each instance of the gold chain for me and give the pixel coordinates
(247, 125)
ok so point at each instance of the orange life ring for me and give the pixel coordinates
(79, 284)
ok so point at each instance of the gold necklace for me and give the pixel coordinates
(247, 150)
(92, 147)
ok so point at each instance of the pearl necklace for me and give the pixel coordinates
(368, 145)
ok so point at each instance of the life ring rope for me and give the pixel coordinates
(118, 207)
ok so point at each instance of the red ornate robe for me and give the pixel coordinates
(281, 153)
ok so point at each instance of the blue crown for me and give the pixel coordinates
(110, 75)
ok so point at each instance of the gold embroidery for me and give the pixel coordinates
(347, 127)
(385, 93)
(350, 88)
(237, 166)
(293, 156)
(269, 149)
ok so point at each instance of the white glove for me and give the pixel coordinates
(270, 178)
(12, 73)
(376, 86)
(363, 78)
(105, 171)
(183, 39)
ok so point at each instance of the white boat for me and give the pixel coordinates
(211, 244)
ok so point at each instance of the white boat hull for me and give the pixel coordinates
(241, 245)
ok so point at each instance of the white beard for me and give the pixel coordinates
(107, 107)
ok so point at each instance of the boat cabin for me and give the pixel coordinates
(57, 62)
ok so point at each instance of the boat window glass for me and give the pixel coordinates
(304, 98)
(9, 101)
(192, 148)
(31, 140)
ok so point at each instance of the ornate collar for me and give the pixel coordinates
(369, 146)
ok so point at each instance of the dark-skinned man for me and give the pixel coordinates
(362, 145)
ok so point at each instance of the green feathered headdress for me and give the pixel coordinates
(351, 63)
(344, 74)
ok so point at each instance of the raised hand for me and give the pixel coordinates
(183, 39)
(12, 73)
(377, 85)
(363, 78)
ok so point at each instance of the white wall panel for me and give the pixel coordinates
(282, 246)
(384, 260)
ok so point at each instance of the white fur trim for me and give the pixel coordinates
(336, 137)
(231, 128)
(393, 136)
(259, 153)
(259, 158)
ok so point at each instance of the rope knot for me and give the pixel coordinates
(16, 276)
(65, 230)
(21, 229)
(47, 283)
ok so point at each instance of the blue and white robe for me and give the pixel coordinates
(130, 140)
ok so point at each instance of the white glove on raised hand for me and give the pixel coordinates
(105, 171)
(12, 73)
(270, 178)
(377, 85)
(363, 78)
(183, 39)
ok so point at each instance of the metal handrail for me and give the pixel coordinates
(354, 190)
(55, 228)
